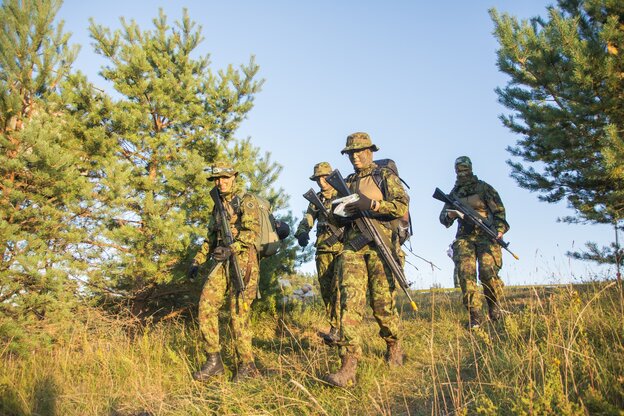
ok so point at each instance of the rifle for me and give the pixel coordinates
(314, 200)
(228, 239)
(472, 216)
(369, 227)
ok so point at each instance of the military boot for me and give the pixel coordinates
(330, 338)
(246, 371)
(344, 377)
(494, 311)
(394, 353)
(475, 319)
(212, 367)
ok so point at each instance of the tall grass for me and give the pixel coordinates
(559, 351)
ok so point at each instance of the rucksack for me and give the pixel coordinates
(403, 226)
(268, 242)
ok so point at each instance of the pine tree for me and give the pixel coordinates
(175, 117)
(567, 100)
(46, 165)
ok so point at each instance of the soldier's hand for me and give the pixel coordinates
(451, 213)
(303, 239)
(193, 271)
(221, 253)
(362, 204)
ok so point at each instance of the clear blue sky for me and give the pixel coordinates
(418, 76)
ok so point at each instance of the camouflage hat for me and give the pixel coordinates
(359, 141)
(321, 169)
(463, 161)
(220, 170)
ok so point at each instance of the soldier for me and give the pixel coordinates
(328, 246)
(473, 246)
(361, 268)
(243, 214)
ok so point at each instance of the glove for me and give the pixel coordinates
(221, 253)
(362, 204)
(303, 239)
(192, 271)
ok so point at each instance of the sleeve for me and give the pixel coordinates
(395, 203)
(209, 243)
(249, 224)
(444, 218)
(496, 207)
(307, 222)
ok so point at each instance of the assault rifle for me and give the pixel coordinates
(473, 216)
(369, 228)
(228, 239)
(314, 200)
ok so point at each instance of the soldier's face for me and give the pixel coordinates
(361, 159)
(462, 171)
(322, 183)
(225, 184)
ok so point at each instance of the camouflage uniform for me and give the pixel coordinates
(362, 270)
(472, 245)
(244, 222)
(327, 245)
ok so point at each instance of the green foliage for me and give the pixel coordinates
(46, 166)
(565, 93)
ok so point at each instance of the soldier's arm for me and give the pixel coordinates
(444, 218)
(396, 202)
(496, 207)
(249, 224)
(209, 242)
(307, 222)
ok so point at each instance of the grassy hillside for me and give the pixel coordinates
(559, 351)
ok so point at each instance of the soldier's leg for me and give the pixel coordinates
(239, 316)
(382, 296)
(211, 300)
(324, 275)
(354, 277)
(490, 260)
(464, 256)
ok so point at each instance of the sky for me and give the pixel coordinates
(418, 76)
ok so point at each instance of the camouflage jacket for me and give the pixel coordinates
(393, 205)
(324, 233)
(477, 193)
(244, 222)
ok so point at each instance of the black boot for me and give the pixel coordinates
(330, 338)
(212, 367)
(246, 371)
(344, 377)
(494, 311)
(475, 319)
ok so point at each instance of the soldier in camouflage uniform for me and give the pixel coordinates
(473, 246)
(328, 246)
(244, 222)
(362, 270)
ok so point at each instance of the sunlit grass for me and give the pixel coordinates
(559, 351)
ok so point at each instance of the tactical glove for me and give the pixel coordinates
(193, 271)
(222, 253)
(362, 204)
(303, 239)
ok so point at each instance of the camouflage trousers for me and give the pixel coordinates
(218, 293)
(328, 281)
(364, 272)
(467, 252)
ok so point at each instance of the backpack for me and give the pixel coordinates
(268, 242)
(403, 226)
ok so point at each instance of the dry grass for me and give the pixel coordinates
(559, 351)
